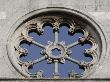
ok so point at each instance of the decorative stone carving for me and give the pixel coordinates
(35, 24)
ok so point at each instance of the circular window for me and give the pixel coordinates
(56, 43)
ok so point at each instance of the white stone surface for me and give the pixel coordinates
(2, 15)
(12, 10)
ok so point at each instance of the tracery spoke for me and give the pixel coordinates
(39, 60)
(30, 63)
(56, 74)
(38, 44)
(80, 63)
(56, 37)
(73, 60)
(31, 40)
(72, 45)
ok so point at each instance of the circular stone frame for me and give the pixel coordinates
(76, 12)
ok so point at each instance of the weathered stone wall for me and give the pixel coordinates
(12, 10)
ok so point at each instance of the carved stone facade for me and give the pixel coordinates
(16, 26)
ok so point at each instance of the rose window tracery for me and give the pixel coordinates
(67, 40)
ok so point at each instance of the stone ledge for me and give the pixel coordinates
(55, 80)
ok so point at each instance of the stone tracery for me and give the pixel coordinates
(36, 25)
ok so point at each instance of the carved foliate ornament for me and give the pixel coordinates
(36, 24)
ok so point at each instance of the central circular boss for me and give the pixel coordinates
(59, 49)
